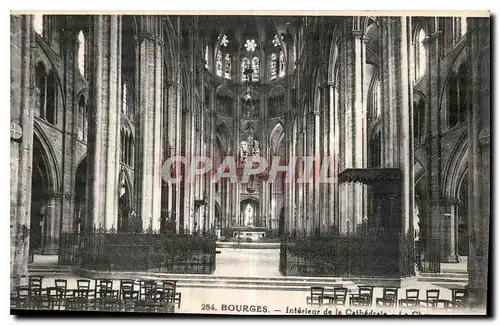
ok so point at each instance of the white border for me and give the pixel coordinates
(149, 5)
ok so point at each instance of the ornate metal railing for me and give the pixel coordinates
(153, 252)
(429, 255)
(345, 256)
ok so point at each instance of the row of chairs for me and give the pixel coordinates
(364, 297)
(130, 295)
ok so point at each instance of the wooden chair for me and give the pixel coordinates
(81, 297)
(411, 299)
(364, 297)
(35, 291)
(316, 297)
(432, 298)
(52, 299)
(61, 286)
(129, 298)
(83, 287)
(339, 297)
(389, 297)
(149, 291)
(128, 294)
(167, 289)
(104, 289)
(458, 298)
(150, 298)
(22, 298)
(109, 304)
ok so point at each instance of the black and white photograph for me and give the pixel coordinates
(250, 163)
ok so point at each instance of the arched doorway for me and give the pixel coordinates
(42, 200)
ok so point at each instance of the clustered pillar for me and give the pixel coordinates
(21, 146)
(104, 121)
(479, 119)
(149, 100)
(353, 127)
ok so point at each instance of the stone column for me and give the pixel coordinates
(288, 190)
(178, 122)
(352, 51)
(149, 103)
(188, 199)
(302, 218)
(312, 185)
(450, 230)
(324, 144)
(21, 145)
(436, 206)
(51, 224)
(334, 147)
(103, 146)
(169, 121)
(211, 155)
(479, 167)
(396, 133)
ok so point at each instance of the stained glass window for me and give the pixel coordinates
(218, 64)
(255, 67)
(227, 66)
(277, 40)
(282, 64)
(38, 24)
(250, 45)
(245, 63)
(273, 66)
(81, 52)
(224, 42)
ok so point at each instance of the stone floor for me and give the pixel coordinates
(253, 262)
(233, 301)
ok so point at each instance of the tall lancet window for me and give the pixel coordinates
(255, 67)
(463, 26)
(223, 59)
(81, 53)
(273, 66)
(379, 99)
(218, 64)
(245, 64)
(282, 65)
(38, 24)
(420, 57)
(376, 99)
(294, 53)
(124, 103)
(206, 57)
(227, 66)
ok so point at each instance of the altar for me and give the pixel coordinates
(249, 233)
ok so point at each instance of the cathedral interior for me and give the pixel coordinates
(99, 103)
